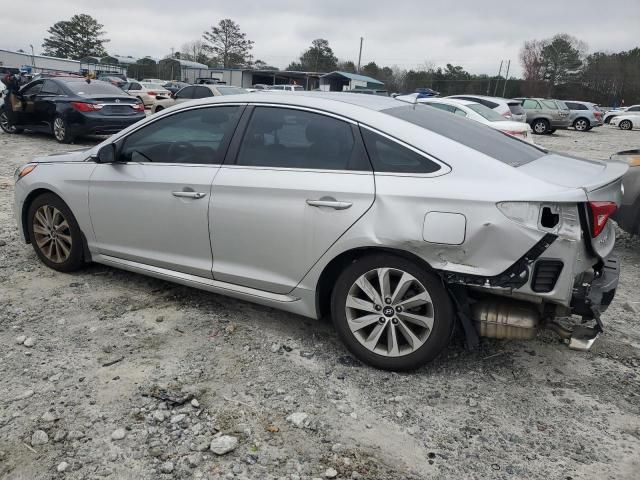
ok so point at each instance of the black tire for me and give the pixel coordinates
(75, 258)
(551, 130)
(625, 125)
(443, 315)
(61, 130)
(540, 126)
(582, 124)
(5, 125)
(159, 108)
(607, 120)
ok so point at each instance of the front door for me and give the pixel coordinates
(152, 206)
(297, 182)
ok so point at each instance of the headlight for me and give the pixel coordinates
(23, 171)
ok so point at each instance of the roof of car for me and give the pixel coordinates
(453, 101)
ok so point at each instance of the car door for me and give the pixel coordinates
(292, 184)
(27, 114)
(45, 102)
(152, 205)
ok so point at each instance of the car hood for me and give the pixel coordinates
(63, 157)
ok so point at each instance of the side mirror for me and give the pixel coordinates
(106, 154)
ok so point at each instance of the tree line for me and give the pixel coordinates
(559, 66)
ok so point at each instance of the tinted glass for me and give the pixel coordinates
(486, 112)
(32, 89)
(530, 104)
(194, 136)
(460, 112)
(96, 87)
(442, 106)
(516, 109)
(202, 92)
(135, 86)
(153, 86)
(634, 109)
(550, 104)
(389, 156)
(50, 88)
(471, 134)
(486, 103)
(280, 137)
(186, 92)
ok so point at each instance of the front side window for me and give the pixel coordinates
(33, 89)
(389, 156)
(287, 138)
(186, 92)
(202, 92)
(550, 104)
(50, 88)
(193, 136)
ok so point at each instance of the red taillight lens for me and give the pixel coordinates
(152, 93)
(86, 107)
(600, 213)
(138, 106)
(597, 114)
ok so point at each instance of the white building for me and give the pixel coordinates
(36, 63)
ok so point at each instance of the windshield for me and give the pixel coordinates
(96, 87)
(231, 90)
(486, 112)
(488, 141)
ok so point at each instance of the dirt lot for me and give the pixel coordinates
(133, 378)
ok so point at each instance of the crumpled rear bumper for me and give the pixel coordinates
(594, 291)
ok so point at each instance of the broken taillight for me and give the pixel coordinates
(600, 213)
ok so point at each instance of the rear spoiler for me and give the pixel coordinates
(608, 187)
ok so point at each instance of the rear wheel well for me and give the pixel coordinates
(335, 267)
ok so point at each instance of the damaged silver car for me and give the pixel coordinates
(399, 221)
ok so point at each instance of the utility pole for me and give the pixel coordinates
(360, 55)
(495, 88)
(506, 78)
(33, 58)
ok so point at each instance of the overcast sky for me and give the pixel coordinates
(476, 34)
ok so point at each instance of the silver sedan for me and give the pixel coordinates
(399, 221)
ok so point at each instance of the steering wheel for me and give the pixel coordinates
(179, 152)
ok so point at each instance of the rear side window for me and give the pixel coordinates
(474, 135)
(202, 92)
(50, 88)
(550, 104)
(389, 156)
(516, 108)
(288, 138)
(486, 103)
(531, 104)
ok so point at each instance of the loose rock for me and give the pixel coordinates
(39, 437)
(298, 419)
(331, 473)
(62, 466)
(20, 339)
(167, 467)
(223, 444)
(29, 342)
(118, 434)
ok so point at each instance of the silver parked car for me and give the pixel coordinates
(397, 220)
(545, 115)
(583, 115)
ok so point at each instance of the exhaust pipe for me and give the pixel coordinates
(506, 319)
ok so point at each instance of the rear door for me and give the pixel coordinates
(152, 206)
(45, 102)
(292, 184)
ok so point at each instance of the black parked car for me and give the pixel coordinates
(69, 107)
(173, 87)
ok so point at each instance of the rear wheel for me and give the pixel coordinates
(625, 125)
(581, 124)
(391, 313)
(61, 130)
(55, 234)
(540, 126)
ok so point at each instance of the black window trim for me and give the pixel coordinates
(121, 139)
(443, 170)
(231, 159)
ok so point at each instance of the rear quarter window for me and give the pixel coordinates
(488, 141)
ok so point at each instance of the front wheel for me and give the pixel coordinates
(391, 313)
(55, 234)
(625, 125)
(61, 130)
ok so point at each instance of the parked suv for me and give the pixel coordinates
(584, 115)
(545, 115)
(509, 109)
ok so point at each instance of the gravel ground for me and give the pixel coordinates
(130, 377)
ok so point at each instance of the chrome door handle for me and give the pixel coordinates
(183, 194)
(329, 203)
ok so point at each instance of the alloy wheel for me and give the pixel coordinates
(59, 129)
(4, 123)
(581, 125)
(52, 234)
(625, 125)
(540, 127)
(389, 312)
